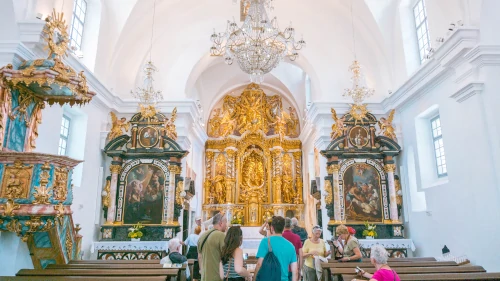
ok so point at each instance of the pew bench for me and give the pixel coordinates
(438, 277)
(167, 274)
(417, 270)
(391, 264)
(86, 278)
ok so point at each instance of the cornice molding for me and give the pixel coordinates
(467, 91)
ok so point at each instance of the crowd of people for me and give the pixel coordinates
(285, 253)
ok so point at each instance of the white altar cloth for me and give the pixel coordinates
(388, 243)
(130, 246)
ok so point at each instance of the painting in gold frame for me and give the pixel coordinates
(358, 136)
(148, 137)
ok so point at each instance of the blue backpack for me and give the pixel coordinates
(271, 267)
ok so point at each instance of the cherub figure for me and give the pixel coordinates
(386, 127)
(280, 127)
(338, 125)
(117, 126)
(226, 124)
(170, 128)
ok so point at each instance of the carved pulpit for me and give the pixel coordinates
(361, 184)
(145, 185)
(253, 159)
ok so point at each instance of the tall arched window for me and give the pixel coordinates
(78, 23)
(422, 29)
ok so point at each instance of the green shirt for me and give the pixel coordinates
(352, 243)
(211, 253)
(282, 249)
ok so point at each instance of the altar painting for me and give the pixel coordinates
(362, 193)
(144, 190)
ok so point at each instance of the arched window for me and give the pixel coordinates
(78, 23)
(422, 29)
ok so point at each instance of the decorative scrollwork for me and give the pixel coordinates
(16, 180)
(9, 208)
(60, 189)
(42, 192)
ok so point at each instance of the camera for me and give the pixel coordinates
(358, 270)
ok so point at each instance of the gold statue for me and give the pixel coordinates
(117, 126)
(170, 128)
(14, 188)
(280, 124)
(287, 184)
(267, 217)
(106, 198)
(59, 191)
(214, 124)
(292, 123)
(386, 126)
(338, 125)
(219, 182)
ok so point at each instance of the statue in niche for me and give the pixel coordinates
(277, 189)
(288, 192)
(219, 182)
(386, 127)
(14, 188)
(292, 123)
(117, 126)
(253, 178)
(338, 125)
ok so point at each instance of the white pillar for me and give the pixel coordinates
(393, 207)
(115, 170)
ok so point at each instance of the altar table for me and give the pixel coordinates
(397, 248)
(128, 250)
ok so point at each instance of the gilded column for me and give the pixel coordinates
(134, 137)
(333, 170)
(174, 170)
(115, 171)
(297, 155)
(393, 207)
(231, 175)
(277, 176)
(209, 156)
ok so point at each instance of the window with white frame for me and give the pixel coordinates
(422, 29)
(64, 135)
(78, 23)
(437, 137)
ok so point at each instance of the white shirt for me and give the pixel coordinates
(192, 240)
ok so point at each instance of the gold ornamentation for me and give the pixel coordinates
(9, 208)
(148, 112)
(219, 182)
(170, 129)
(174, 169)
(115, 169)
(32, 131)
(399, 192)
(210, 154)
(69, 245)
(56, 34)
(333, 169)
(106, 198)
(60, 189)
(14, 226)
(253, 111)
(253, 179)
(16, 180)
(118, 127)
(42, 193)
(33, 224)
(328, 191)
(178, 191)
(386, 127)
(358, 112)
(59, 213)
(390, 168)
(338, 125)
(5, 104)
(287, 179)
(48, 225)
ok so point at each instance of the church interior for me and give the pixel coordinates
(123, 122)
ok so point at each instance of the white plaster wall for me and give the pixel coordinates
(14, 254)
(462, 212)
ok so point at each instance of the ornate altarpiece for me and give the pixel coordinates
(145, 185)
(361, 185)
(253, 159)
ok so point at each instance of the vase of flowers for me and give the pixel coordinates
(237, 221)
(369, 232)
(135, 233)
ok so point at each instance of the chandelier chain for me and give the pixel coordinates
(152, 31)
(353, 35)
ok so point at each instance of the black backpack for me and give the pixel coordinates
(271, 267)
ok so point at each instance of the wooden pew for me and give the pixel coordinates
(428, 259)
(438, 277)
(418, 270)
(391, 264)
(105, 266)
(113, 261)
(166, 273)
(86, 278)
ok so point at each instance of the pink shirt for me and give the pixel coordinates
(386, 275)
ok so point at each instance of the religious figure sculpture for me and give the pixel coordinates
(386, 127)
(59, 191)
(288, 192)
(14, 188)
(338, 125)
(117, 126)
(280, 124)
(292, 123)
(277, 189)
(219, 182)
(170, 129)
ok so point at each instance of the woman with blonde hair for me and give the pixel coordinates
(383, 272)
(350, 250)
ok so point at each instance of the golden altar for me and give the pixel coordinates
(253, 159)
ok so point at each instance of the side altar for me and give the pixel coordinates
(253, 159)
(145, 185)
(361, 186)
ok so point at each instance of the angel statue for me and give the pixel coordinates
(117, 126)
(338, 125)
(386, 127)
(170, 129)
(280, 127)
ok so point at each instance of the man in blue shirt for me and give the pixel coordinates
(282, 249)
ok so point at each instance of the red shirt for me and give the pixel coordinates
(294, 239)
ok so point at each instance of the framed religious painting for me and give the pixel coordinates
(358, 136)
(144, 194)
(148, 137)
(362, 193)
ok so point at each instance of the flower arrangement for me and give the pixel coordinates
(370, 230)
(237, 220)
(135, 231)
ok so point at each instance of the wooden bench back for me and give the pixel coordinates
(171, 272)
(391, 264)
(417, 270)
(439, 277)
(86, 278)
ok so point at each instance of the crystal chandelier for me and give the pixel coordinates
(147, 95)
(359, 90)
(258, 45)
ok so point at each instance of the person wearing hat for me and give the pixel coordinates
(350, 251)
